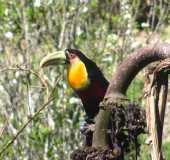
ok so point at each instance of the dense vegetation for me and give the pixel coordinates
(104, 30)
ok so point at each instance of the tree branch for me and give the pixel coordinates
(49, 99)
(121, 80)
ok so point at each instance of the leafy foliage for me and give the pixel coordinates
(104, 30)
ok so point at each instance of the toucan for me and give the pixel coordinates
(84, 77)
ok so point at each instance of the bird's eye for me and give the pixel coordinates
(72, 55)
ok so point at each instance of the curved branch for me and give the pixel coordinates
(129, 68)
(121, 80)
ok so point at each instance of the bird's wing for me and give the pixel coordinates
(95, 73)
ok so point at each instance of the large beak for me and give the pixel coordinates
(53, 59)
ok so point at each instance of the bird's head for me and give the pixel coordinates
(77, 74)
(73, 56)
(68, 56)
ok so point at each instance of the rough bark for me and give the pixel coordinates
(129, 68)
(120, 82)
(157, 98)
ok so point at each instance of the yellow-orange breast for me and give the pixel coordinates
(77, 75)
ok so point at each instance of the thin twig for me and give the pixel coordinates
(49, 99)
(24, 126)
(2, 129)
(19, 68)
